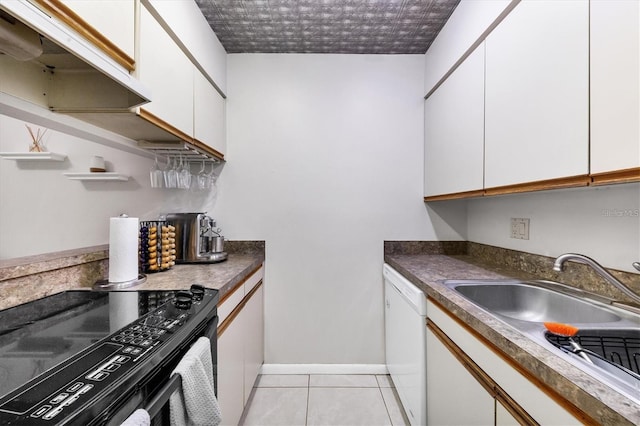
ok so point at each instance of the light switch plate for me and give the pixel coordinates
(520, 228)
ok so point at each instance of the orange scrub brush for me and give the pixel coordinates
(560, 329)
(568, 331)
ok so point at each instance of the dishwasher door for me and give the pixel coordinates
(406, 343)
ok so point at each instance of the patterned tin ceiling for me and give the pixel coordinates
(327, 26)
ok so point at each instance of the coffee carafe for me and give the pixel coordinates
(197, 238)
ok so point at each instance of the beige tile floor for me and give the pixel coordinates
(331, 400)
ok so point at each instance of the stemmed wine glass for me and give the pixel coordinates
(184, 174)
(212, 178)
(203, 179)
(171, 174)
(157, 175)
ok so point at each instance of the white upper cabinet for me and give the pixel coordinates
(202, 45)
(209, 114)
(184, 100)
(103, 16)
(537, 110)
(615, 85)
(465, 28)
(454, 130)
(168, 72)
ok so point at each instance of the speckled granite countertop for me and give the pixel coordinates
(221, 276)
(34, 277)
(597, 400)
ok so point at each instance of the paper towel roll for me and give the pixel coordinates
(123, 249)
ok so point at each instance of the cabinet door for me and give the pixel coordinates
(537, 108)
(454, 131)
(189, 24)
(454, 396)
(254, 340)
(615, 86)
(114, 19)
(166, 70)
(504, 417)
(209, 114)
(231, 372)
(530, 398)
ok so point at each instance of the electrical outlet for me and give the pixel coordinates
(520, 228)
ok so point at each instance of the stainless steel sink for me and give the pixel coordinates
(527, 302)
(525, 305)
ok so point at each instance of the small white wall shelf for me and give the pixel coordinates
(97, 176)
(33, 156)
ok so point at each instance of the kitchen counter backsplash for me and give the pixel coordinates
(33, 277)
(426, 247)
(518, 264)
(575, 274)
(244, 247)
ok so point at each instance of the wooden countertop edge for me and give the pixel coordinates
(584, 401)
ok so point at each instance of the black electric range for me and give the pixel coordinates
(84, 357)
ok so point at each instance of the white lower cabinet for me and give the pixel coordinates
(504, 417)
(240, 346)
(454, 396)
(469, 383)
(254, 341)
(231, 372)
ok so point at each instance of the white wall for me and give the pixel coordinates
(325, 163)
(41, 211)
(602, 223)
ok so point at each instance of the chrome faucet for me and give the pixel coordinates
(559, 263)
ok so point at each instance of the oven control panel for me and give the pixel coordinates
(70, 386)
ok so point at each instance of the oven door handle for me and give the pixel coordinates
(162, 397)
(212, 334)
(212, 329)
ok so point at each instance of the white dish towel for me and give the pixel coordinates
(195, 404)
(138, 418)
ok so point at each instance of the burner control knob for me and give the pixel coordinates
(198, 291)
(183, 299)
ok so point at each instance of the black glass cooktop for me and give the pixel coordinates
(38, 335)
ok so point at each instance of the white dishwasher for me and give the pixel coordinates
(406, 343)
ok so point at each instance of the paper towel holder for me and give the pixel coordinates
(107, 285)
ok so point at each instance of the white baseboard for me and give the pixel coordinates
(324, 369)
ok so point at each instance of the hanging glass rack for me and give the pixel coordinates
(186, 151)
